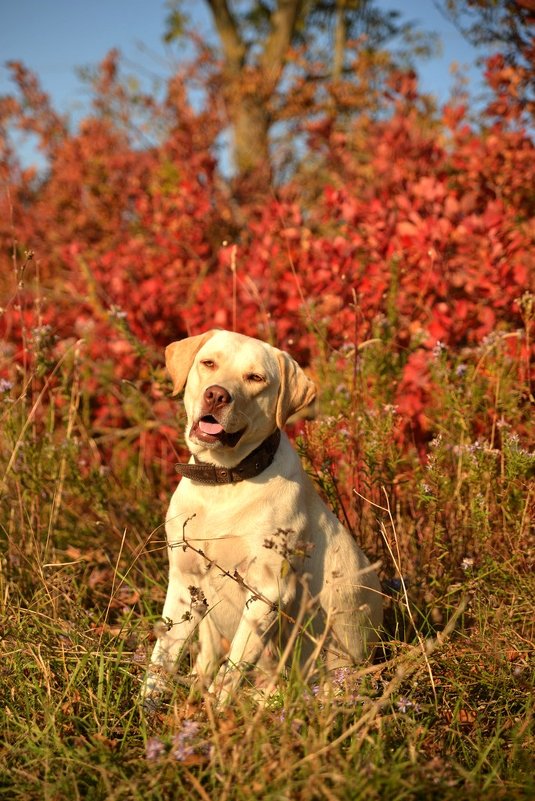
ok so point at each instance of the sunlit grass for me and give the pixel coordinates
(446, 710)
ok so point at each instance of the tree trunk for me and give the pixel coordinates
(340, 40)
(251, 123)
(250, 87)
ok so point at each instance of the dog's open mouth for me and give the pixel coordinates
(209, 425)
(209, 430)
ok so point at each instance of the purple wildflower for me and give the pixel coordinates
(184, 745)
(341, 675)
(154, 748)
(404, 704)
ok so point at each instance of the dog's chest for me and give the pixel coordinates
(246, 530)
(199, 557)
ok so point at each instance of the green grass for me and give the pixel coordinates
(444, 713)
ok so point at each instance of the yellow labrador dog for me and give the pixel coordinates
(250, 541)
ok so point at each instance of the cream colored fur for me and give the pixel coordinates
(245, 557)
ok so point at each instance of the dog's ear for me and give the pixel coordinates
(296, 390)
(179, 357)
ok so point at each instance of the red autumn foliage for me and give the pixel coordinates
(407, 227)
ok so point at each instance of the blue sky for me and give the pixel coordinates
(55, 37)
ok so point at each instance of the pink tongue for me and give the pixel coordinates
(210, 428)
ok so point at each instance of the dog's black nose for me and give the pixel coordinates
(216, 396)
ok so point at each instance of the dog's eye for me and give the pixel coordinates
(255, 378)
(208, 363)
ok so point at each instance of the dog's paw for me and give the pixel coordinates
(158, 687)
(224, 685)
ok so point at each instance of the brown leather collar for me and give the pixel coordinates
(251, 466)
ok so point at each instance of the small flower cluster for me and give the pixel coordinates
(184, 746)
(404, 705)
(155, 748)
(5, 385)
(116, 313)
(439, 349)
(43, 337)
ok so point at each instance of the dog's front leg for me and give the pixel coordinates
(256, 627)
(181, 615)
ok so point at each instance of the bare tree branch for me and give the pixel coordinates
(340, 39)
(233, 45)
(283, 21)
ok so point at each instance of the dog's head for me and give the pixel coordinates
(238, 391)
